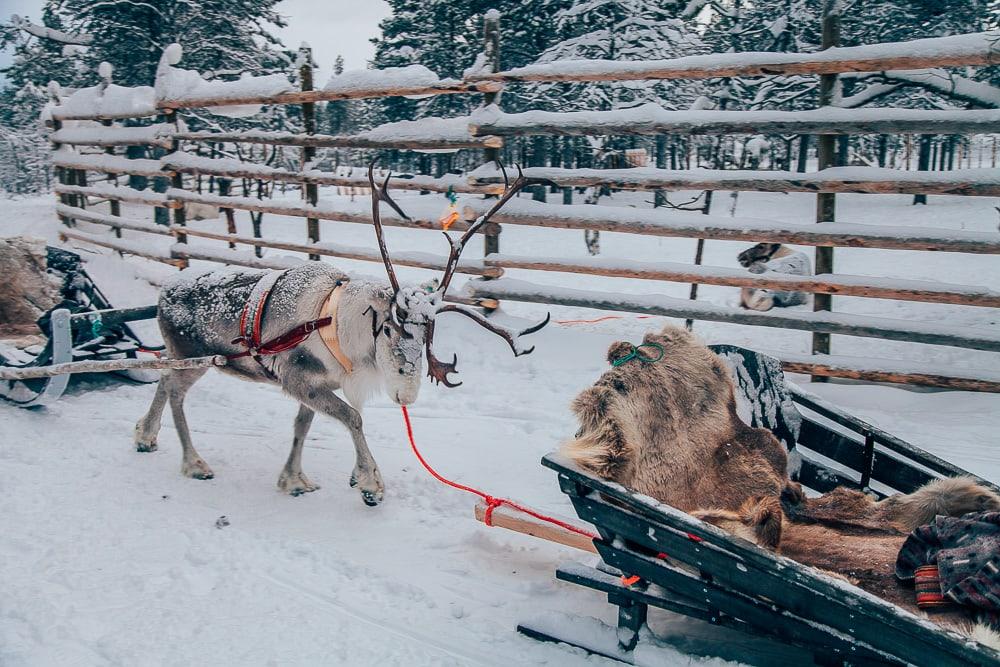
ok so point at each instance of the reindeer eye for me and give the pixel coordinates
(402, 372)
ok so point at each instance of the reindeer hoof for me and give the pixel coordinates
(144, 447)
(197, 469)
(296, 484)
(371, 499)
(354, 481)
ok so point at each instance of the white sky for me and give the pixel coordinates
(330, 27)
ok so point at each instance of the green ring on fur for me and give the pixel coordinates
(636, 354)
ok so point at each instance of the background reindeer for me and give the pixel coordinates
(377, 336)
(780, 259)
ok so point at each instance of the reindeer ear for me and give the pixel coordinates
(619, 350)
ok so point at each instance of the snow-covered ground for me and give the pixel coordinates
(108, 556)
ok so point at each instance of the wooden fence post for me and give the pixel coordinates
(177, 181)
(491, 50)
(826, 154)
(309, 190)
(61, 173)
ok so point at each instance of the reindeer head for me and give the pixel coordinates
(761, 252)
(408, 323)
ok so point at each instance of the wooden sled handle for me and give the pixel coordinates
(511, 519)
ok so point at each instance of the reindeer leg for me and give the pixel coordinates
(192, 465)
(292, 481)
(148, 427)
(366, 475)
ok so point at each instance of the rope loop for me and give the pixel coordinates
(638, 355)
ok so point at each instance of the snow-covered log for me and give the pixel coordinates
(690, 224)
(423, 214)
(981, 48)
(872, 369)
(873, 180)
(118, 193)
(842, 284)
(114, 221)
(111, 164)
(128, 247)
(186, 251)
(653, 119)
(106, 103)
(188, 163)
(422, 260)
(159, 134)
(826, 322)
(423, 134)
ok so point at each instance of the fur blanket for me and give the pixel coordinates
(670, 430)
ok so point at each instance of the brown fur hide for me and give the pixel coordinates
(669, 430)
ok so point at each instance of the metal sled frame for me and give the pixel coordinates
(83, 327)
(714, 576)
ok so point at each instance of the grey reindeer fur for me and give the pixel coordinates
(201, 316)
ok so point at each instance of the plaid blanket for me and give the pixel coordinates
(966, 551)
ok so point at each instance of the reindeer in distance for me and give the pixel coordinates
(371, 335)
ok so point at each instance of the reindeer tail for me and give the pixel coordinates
(951, 496)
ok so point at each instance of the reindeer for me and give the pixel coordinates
(780, 259)
(369, 334)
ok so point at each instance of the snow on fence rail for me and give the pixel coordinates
(981, 48)
(866, 180)
(178, 89)
(657, 304)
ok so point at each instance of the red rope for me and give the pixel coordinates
(491, 501)
(603, 319)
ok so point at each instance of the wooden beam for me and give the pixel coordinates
(114, 221)
(682, 224)
(957, 51)
(119, 193)
(123, 247)
(419, 260)
(108, 164)
(652, 120)
(342, 141)
(108, 366)
(447, 87)
(930, 333)
(835, 370)
(158, 134)
(511, 519)
(867, 180)
(845, 285)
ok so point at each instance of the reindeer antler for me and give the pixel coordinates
(378, 195)
(437, 369)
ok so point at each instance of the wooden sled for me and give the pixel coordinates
(695, 569)
(83, 327)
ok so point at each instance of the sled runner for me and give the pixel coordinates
(83, 327)
(683, 565)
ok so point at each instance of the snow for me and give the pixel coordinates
(156, 134)
(108, 556)
(954, 47)
(385, 80)
(66, 157)
(107, 101)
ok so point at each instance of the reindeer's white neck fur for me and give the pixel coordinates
(354, 328)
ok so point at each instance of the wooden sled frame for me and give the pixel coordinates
(717, 577)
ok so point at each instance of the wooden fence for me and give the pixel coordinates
(93, 125)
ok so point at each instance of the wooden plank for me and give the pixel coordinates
(837, 323)
(107, 366)
(446, 87)
(208, 166)
(119, 193)
(957, 51)
(469, 266)
(519, 522)
(870, 180)
(158, 134)
(122, 246)
(834, 369)
(651, 120)
(341, 141)
(111, 220)
(683, 224)
(109, 164)
(845, 285)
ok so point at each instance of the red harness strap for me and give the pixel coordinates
(250, 338)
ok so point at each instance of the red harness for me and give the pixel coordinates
(250, 331)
